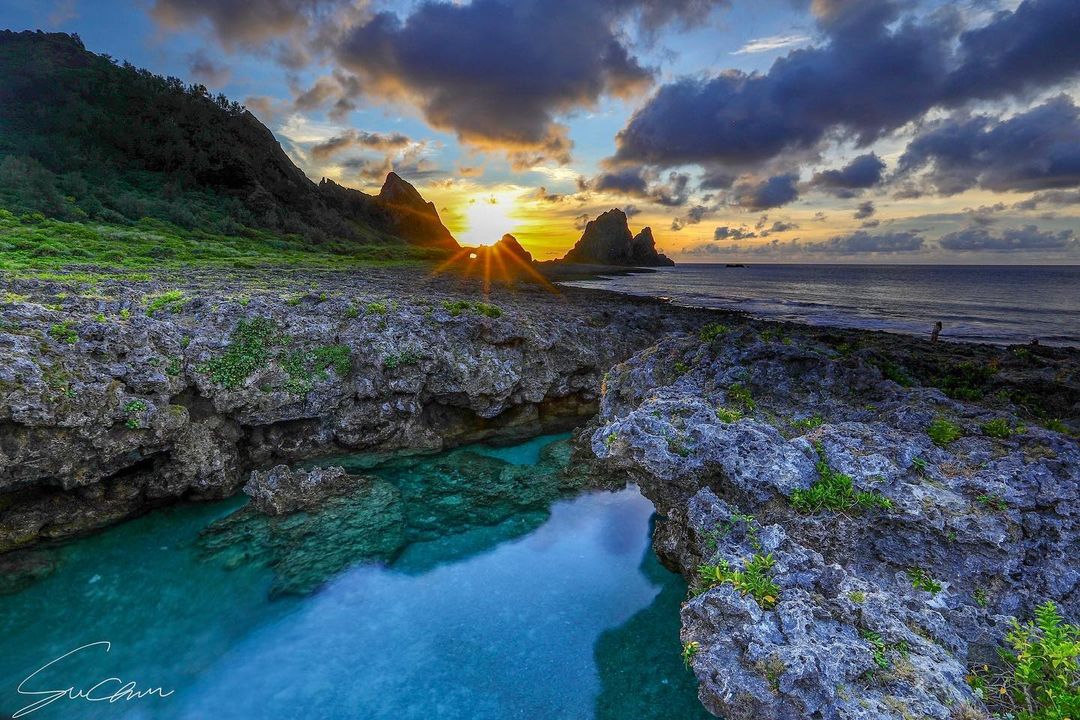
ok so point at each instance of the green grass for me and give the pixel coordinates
(457, 307)
(171, 300)
(999, 428)
(64, 332)
(754, 580)
(943, 431)
(807, 424)
(32, 245)
(689, 650)
(728, 415)
(738, 394)
(835, 491)
(994, 502)
(305, 367)
(248, 351)
(710, 332)
(1040, 674)
(401, 359)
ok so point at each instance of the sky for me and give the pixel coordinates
(908, 131)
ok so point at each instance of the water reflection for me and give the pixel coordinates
(490, 605)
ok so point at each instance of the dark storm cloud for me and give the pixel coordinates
(359, 139)
(497, 73)
(863, 172)
(728, 233)
(1050, 197)
(877, 72)
(1035, 150)
(243, 22)
(864, 242)
(773, 192)
(643, 184)
(1025, 239)
(864, 210)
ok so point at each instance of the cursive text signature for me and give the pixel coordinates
(110, 690)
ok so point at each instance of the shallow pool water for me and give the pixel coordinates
(485, 602)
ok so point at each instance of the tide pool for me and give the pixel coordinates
(489, 593)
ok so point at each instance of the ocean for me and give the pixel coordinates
(975, 303)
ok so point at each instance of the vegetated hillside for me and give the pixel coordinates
(85, 138)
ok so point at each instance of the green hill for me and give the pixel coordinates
(87, 140)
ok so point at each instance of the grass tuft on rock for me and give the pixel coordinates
(835, 491)
(943, 431)
(754, 580)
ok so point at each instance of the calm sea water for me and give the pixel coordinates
(995, 304)
(558, 611)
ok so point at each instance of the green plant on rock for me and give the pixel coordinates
(376, 308)
(248, 351)
(835, 491)
(304, 367)
(922, 580)
(64, 332)
(689, 650)
(919, 464)
(808, 423)
(981, 597)
(728, 415)
(740, 395)
(710, 332)
(171, 300)
(681, 368)
(999, 428)
(1040, 679)
(943, 431)
(994, 502)
(401, 359)
(754, 580)
(882, 649)
(133, 408)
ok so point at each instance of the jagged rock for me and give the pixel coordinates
(607, 240)
(509, 244)
(988, 523)
(128, 416)
(279, 491)
(643, 250)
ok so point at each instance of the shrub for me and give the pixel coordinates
(835, 491)
(248, 352)
(754, 580)
(172, 300)
(922, 580)
(712, 331)
(943, 432)
(998, 428)
(727, 415)
(64, 332)
(740, 395)
(1041, 675)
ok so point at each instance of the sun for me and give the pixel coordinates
(487, 219)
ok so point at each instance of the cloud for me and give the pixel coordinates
(1050, 197)
(861, 241)
(1025, 239)
(728, 233)
(865, 210)
(856, 243)
(771, 43)
(359, 139)
(63, 11)
(498, 73)
(244, 23)
(639, 182)
(204, 69)
(877, 71)
(773, 192)
(337, 90)
(1034, 150)
(863, 172)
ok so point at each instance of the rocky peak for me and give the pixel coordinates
(607, 240)
(397, 191)
(509, 244)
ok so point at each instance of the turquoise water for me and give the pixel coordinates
(489, 593)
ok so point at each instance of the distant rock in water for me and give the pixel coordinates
(607, 240)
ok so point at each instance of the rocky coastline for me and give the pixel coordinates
(900, 500)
